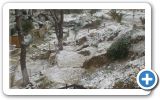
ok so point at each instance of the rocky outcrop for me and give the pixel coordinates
(96, 61)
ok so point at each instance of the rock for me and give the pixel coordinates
(69, 59)
(82, 47)
(137, 50)
(138, 39)
(88, 52)
(31, 86)
(104, 45)
(85, 53)
(81, 41)
(65, 43)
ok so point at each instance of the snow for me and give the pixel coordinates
(138, 62)
(69, 48)
(138, 33)
(37, 66)
(138, 48)
(28, 39)
(65, 75)
(71, 36)
(104, 45)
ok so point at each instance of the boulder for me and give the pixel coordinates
(81, 41)
(69, 59)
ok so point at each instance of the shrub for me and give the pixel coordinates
(93, 11)
(27, 25)
(119, 17)
(116, 15)
(119, 49)
(113, 14)
(142, 19)
(12, 31)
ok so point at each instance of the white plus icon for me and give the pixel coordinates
(147, 79)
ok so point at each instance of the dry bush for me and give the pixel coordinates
(117, 16)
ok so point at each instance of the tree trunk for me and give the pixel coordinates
(23, 65)
(58, 16)
(23, 49)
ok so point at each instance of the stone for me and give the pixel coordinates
(81, 41)
(85, 53)
(69, 59)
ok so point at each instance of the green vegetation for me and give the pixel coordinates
(27, 25)
(119, 49)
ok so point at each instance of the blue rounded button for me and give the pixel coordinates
(147, 79)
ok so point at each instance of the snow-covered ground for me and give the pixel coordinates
(68, 63)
